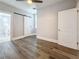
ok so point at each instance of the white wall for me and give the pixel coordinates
(16, 29)
(8, 8)
(48, 19)
(78, 19)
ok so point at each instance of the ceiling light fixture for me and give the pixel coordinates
(29, 1)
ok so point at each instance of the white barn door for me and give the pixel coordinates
(68, 28)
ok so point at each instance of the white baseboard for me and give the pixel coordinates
(17, 38)
(47, 39)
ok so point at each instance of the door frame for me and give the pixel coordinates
(77, 26)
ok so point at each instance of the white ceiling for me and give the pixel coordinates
(29, 7)
(48, 2)
(21, 5)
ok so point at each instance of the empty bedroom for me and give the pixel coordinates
(39, 29)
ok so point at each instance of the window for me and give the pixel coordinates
(4, 27)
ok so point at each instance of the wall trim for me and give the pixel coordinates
(47, 39)
(20, 37)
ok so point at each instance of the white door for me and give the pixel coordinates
(18, 25)
(67, 28)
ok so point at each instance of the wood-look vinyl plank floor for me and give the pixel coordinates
(33, 48)
(9, 51)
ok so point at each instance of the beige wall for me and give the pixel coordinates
(48, 19)
(77, 5)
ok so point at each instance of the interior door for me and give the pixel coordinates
(18, 25)
(67, 28)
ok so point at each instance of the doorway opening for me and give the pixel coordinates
(5, 20)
